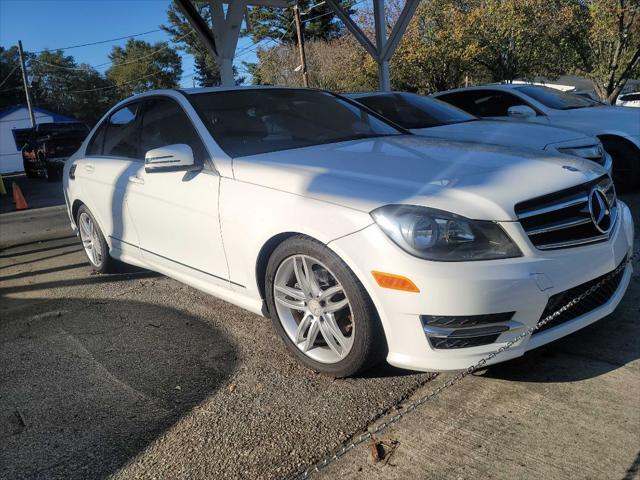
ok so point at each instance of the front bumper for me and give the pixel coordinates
(522, 285)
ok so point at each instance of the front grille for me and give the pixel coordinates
(595, 300)
(563, 219)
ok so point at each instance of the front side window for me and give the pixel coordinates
(165, 123)
(122, 133)
(557, 99)
(255, 121)
(484, 103)
(414, 111)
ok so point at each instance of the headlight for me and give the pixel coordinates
(442, 236)
(594, 152)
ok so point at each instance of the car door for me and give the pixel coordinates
(176, 212)
(492, 104)
(112, 155)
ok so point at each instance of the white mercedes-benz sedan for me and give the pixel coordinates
(433, 118)
(617, 127)
(359, 240)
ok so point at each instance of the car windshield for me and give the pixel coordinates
(414, 111)
(557, 99)
(253, 121)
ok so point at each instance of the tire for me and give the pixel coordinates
(358, 321)
(29, 172)
(53, 173)
(626, 165)
(101, 262)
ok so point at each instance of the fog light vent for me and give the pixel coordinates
(464, 331)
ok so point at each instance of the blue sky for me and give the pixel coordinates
(53, 24)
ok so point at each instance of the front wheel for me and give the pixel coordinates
(626, 165)
(95, 246)
(321, 310)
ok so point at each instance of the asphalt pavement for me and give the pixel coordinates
(135, 375)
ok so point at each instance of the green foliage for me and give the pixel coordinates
(11, 91)
(278, 23)
(207, 71)
(607, 45)
(141, 66)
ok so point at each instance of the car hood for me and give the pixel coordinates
(510, 134)
(596, 119)
(476, 181)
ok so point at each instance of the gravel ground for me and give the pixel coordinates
(138, 376)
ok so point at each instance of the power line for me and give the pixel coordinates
(127, 83)
(101, 41)
(95, 67)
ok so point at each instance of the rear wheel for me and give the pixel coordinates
(93, 242)
(321, 310)
(626, 164)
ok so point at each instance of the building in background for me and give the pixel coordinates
(16, 118)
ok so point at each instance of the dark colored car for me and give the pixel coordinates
(47, 146)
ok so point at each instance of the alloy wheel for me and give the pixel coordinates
(90, 237)
(313, 308)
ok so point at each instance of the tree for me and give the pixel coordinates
(179, 28)
(59, 84)
(11, 91)
(607, 45)
(339, 65)
(278, 23)
(522, 38)
(437, 50)
(141, 66)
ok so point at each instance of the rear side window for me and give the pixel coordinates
(484, 103)
(165, 123)
(97, 142)
(122, 133)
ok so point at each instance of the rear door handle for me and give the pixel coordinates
(89, 168)
(136, 179)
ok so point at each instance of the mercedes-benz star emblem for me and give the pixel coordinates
(600, 210)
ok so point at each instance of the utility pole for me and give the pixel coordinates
(27, 90)
(303, 58)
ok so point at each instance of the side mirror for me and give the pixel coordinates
(170, 158)
(521, 111)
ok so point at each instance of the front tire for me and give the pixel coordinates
(95, 246)
(321, 310)
(626, 165)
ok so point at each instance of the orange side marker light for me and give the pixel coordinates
(395, 282)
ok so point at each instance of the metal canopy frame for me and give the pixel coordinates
(221, 38)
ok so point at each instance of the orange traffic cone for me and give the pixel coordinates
(18, 198)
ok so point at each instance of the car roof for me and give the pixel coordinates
(488, 86)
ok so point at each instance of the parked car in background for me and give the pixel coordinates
(617, 127)
(433, 118)
(360, 240)
(46, 147)
(629, 100)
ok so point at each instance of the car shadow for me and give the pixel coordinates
(87, 384)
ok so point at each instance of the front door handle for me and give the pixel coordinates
(136, 179)
(89, 168)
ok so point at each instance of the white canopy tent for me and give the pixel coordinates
(221, 38)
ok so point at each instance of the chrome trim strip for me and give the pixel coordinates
(553, 208)
(553, 228)
(476, 331)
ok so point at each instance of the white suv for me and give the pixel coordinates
(359, 240)
(617, 127)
